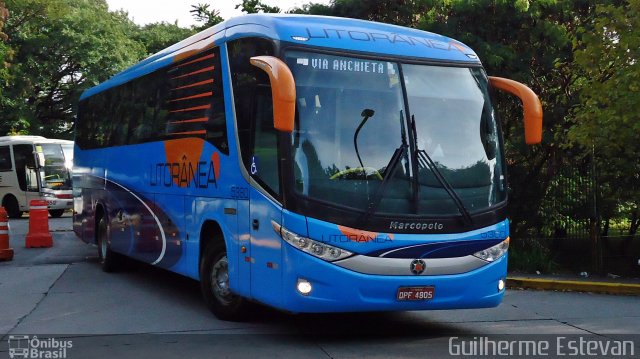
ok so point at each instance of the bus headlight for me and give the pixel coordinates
(493, 253)
(321, 250)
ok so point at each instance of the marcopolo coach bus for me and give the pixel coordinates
(312, 164)
(34, 167)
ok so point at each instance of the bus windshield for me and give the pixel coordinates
(390, 138)
(55, 174)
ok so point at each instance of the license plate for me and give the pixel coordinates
(415, 293)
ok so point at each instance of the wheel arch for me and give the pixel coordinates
(210, 234)
(5, 203)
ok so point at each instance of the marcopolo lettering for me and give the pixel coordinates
(183, 174)
(391, 38)
(416, 226)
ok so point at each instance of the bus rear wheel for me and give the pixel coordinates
(214, 284)
(109, 261)
(56, 213)
(10, 204)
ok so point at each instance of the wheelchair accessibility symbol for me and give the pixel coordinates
(254, 165)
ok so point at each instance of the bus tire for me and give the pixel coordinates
(56, 213)
(109, 261)
(214, 284)
(10, 204)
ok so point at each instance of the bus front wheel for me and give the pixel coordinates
(214, 283)
(56, 213)
(10, 204)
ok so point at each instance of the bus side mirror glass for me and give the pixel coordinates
(283, 90)
(530, 103)
(40, 158)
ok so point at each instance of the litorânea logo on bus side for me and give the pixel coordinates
(381, 37)
(183, 166)
(25, 346)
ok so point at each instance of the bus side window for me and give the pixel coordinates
(265, 140)
(254, 112)
(5, 159)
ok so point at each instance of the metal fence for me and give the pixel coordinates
(572, 228)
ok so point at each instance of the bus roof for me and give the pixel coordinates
(22, 139)
(328, 32)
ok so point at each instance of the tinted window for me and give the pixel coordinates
(5, 159)
(254, 113)
(264, 148)
(183, 100)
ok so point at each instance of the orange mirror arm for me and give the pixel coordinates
(530, 103)
(283, 90)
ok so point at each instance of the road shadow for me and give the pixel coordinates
(326, 326)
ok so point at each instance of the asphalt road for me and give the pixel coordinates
(147, 312)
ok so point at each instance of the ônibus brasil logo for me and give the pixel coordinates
(25, 346)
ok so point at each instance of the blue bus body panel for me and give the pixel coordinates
(150, 214)
(336, 289)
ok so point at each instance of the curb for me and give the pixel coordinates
(573, 286)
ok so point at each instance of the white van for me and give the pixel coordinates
(34, 167)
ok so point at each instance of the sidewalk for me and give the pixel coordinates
(596, 284)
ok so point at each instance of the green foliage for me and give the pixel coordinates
(256, 6)
(208, 17)
(4, 14)
(607, 120)
(58, 48)
(530, 255)
(312, 9)
(5, 50)
(61, 48)
(161, 35)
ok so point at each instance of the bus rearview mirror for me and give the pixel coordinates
(283, 90)
(40, 159)
(530, 103)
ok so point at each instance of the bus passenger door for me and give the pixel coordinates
(27, 173)
(243, 248)
(266, 253)
(266, 257)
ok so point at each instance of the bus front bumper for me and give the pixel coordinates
(336, 289)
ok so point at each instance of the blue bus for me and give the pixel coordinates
(308, 163)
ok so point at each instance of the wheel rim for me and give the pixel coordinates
(103, 247)
(220, 281)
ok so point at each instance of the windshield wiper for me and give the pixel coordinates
(388, 172)
(425, 160)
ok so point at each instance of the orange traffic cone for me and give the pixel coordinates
(6, 253)
(39, 235)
